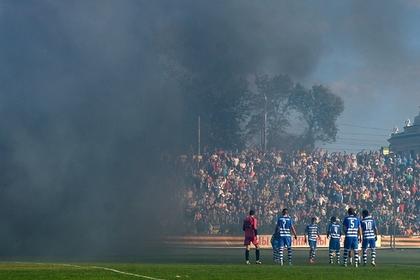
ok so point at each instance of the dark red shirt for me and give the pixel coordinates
(250, 226)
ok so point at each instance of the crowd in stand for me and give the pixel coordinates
(219, 188)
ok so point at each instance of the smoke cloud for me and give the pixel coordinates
(90, 98)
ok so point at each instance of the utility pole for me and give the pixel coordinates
(199, 137)
(394, 178)
(265, 124)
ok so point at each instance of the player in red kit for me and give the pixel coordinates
(251, 236)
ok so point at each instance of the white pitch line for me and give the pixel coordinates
(96, 267)
(70, 265)
(127, 273)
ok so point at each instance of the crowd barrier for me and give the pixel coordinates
(401, 241)
(384, 241)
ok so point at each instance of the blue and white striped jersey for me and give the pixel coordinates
(312, 230)
(368, 228)
(351, 226)
(284, 224)
(334, 230)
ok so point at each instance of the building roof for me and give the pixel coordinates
(417, 120)
(408, 140)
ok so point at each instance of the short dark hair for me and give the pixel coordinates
(365, 213)
(350, 211)
(333, 219)
(285, 211)
(313, 219)
(252, 212)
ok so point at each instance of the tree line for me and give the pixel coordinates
(265, 111)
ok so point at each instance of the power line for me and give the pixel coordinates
(361, 145)
(348, 149)
(354, 144)
(364, 134)
(364, 127)
(345, 147)
(359, 139)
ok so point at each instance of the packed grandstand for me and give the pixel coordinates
(222, 186)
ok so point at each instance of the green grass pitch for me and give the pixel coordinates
(214, 264)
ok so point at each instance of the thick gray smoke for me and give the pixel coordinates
(90, 98)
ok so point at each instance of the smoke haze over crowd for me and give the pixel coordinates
(90, 96)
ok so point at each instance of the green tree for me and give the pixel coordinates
(319, 108)
(270, 98)
(297, 117)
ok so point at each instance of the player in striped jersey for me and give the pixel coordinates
(370, 233)
(334, 234)
(312, 231)
(352, 235)
(281, 237)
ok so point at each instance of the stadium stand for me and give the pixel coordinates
(224, 185)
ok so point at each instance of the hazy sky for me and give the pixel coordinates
(372, 60)
(368, 52)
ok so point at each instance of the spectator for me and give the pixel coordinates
(220, 190)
